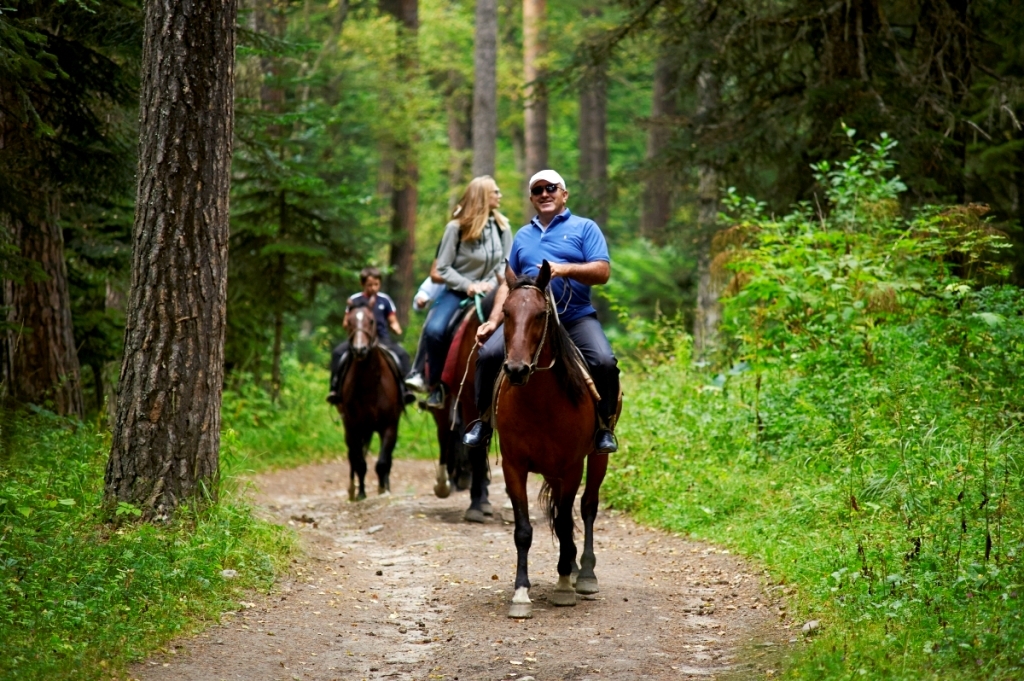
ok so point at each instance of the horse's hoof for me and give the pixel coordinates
(361, 496)
(383, 492)
(586, 585)
(463, 481)
(474, 515)
(442, 488)
(486, 508)
(521, 611)
(562, 598)
(351, 492)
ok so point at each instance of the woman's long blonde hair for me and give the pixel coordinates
(472, 210)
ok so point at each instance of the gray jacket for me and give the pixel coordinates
(462, 264)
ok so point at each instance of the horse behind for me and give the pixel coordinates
(371, 402)
(459, 410)
(546, 419)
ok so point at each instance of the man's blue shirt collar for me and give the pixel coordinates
(561, 217)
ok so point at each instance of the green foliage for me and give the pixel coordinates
(866, 443)
(79, 599)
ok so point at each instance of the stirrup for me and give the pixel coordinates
(439, 390)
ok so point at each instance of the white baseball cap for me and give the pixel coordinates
(548, 176)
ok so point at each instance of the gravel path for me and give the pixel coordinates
(401, 588)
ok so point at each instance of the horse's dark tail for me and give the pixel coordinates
(547, 500)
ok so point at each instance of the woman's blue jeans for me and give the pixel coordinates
(442, 311)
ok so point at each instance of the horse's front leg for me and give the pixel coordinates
(446, 443)
(515, 485)
(597, 466)
(388, 438)
(356, 464)
(564, 594)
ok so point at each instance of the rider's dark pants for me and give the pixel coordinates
(338, 352)
(588, 336)
(443, 309)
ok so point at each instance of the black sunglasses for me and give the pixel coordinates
(541, 188)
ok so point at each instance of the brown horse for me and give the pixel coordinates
(546, 418)
(460, 409)
(371, 402)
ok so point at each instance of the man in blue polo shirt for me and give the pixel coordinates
(578, 254)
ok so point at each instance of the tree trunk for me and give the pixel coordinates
(656, 209)
(41, 362)
(709, 311)
(167, 433)
(460, 122)
(593, 145)
(404, 195)
(535, 113)
(485, 88)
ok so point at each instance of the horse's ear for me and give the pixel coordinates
(510, 277)
(544, 278)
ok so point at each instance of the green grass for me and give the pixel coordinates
(903, 584)
(80, 599)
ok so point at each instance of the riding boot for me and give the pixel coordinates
(436, 398)
(604, 440)
(478, 434)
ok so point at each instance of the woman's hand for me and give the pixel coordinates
(482, 287)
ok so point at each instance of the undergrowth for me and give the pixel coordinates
(863, 439)
(80, 599)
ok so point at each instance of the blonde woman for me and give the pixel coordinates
(470, 260)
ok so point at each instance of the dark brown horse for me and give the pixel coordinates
(456, 462)
(371, 402)
(546, 418)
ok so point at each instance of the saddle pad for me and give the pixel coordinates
(448, 375)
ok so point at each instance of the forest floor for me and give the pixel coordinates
(400, 587)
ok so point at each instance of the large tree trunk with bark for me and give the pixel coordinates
(459, 107)
(485, 88)
(405, 179)
(709, 310)
(593, 144)
(167, 434)
(535, 113)
(41, 363)
(656, 209)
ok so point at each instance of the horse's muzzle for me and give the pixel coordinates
(518, 372)
(361, 352)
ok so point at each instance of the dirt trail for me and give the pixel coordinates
(402, 588)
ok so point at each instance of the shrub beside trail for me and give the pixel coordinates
(863, 437)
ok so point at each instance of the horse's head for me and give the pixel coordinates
(362, 331)
(526, 313)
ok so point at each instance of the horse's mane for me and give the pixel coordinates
(567, 370)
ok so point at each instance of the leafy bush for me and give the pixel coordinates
(866, 444)
(79, 598)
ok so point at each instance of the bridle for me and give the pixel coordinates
(532, 366)
(357, 329)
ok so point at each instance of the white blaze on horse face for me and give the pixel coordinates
(522, 595)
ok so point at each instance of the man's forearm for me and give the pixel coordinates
(499, 303)
(589, 273)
